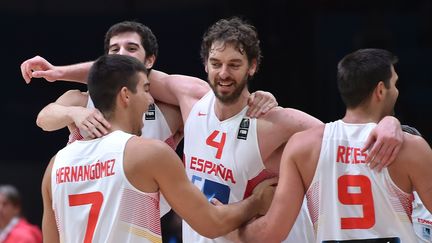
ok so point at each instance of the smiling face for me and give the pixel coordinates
(228, 71)
(140, 101)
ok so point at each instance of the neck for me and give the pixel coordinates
(122, 124)
(360, 115)
(224, 111)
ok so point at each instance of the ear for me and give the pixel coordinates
(380, 91)
(252, 67)
(149, 61)
(124, 96)
(206, 67)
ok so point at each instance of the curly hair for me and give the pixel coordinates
(234, 31)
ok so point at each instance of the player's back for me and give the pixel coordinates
(92, 199)
(347, 200)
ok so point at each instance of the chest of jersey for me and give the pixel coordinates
(221, 157)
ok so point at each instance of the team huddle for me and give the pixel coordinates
(252, 171)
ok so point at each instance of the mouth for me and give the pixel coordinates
(225, 83)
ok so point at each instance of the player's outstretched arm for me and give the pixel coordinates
(39, 67)
(188, 201)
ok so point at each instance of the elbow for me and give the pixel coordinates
(41, 122)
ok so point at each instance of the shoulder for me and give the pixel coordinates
(140, 150)
(303, 140)
(413, 147)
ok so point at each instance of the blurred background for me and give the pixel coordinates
(301, 41)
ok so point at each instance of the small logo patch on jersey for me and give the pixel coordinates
(244, 128)
(202, 114)
(426, 232)
(151, 113)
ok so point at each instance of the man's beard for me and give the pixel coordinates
(232, 97)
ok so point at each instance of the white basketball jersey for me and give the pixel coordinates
(155, 127)
(92, 199)
(222, 158)
(422, 220)
(347, 200)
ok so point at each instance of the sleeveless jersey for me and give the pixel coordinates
(222, 158)
(155, 127)
(92, 199)
(347, 200)
(422, 220)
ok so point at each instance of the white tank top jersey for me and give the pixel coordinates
(348, 201)
(93, 201)
(222, 158)
(422, 220)
(155, 127)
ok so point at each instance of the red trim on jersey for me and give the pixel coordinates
(251, 184)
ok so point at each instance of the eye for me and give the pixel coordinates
(234, 66)
(113, 50)
(132, 49)
(215, 65)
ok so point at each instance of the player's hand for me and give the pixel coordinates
(233, 236)
(265, 191)
(38, 67)
(260, 103)
(384, 142)
(92, 122)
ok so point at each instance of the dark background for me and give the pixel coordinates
(302, 41)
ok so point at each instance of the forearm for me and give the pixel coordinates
(232, 216)
(75, 72)
(54, 117)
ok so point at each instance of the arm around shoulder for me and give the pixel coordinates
(59, 114)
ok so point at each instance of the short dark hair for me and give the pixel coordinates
(108, 75)
(12, 194)
(359, 72)
(234, 31)
(148, 39)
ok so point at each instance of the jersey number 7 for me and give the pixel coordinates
(96, 200)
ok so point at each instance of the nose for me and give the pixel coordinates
(122, 51)
(223, 74)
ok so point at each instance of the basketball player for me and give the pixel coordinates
(347, 201)
(421, 217)
(107, 189)
(225, 151)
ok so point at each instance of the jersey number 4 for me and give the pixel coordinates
(95, 199)
(363, 198)
(219, 145)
